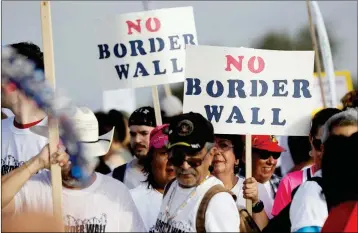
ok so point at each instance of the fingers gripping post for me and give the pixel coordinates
(53, 125)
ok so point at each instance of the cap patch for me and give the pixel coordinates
(185, 128)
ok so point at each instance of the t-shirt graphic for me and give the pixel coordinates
(94, 224)
(9, 163)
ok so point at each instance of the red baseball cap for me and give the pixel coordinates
(266, 142)
(158, 137)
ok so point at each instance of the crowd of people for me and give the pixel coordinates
(179, 176)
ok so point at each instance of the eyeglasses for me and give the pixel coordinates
(268, 154)
(224, 145)
(316, 142)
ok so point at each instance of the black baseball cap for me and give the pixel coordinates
(143, 116)
(190, 130)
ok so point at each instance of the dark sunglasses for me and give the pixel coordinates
(317, 144)
(267, 154)
(177, 161)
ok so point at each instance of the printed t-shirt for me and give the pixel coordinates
(148, 202)
(19, 145)
(105, 206)
(221, 214)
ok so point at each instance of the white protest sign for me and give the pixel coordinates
(250, 91)
(343, 86)
(121, 100)
(144, 48)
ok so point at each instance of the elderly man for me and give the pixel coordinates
(99, 204)
(308, 210)
(191, 141)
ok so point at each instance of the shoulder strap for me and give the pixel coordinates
(200, 216)
(167, 187)
(318, 180)
(308, 173)
(118, 172)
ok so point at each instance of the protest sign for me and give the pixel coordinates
(144, 48)
(250, 91)
(121, 100)
(343, 83)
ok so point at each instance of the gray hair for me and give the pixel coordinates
(345, 118)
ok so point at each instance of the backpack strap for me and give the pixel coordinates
(200, 216)
(118, 172)
(308, 173)
(318, 180)
(167, 187)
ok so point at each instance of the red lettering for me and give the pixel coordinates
(149, 27)
(134, 26)
(251, 65)
(237, 63)
(231, 61)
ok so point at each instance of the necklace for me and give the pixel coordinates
(187, 199)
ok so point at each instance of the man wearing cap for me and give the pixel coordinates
(265, 153)
(191, 151)
(141, 123)
(97, 204)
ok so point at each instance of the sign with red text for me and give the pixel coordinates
(145, 48)
(250, 91)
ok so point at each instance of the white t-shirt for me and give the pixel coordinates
(18, 145)
(133, 176)
(221, 215)
(266, 195)
(148, 202)
(105, 206)
(237, 190)
(308, 207)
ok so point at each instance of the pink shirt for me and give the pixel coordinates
(286, 186)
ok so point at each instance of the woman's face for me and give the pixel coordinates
(163, 172)
(316, 151)
(224, 158)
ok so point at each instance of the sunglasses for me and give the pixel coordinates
(179, 159)
(224, 145)
(317, 144)
(267, 154)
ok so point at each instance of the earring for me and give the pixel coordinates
(236, 169)
(310, 153)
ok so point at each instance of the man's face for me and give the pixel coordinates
(264, 165)
(139, 139)
(193, 168)
(9, 96)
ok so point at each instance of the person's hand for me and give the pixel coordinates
(60, 157)
(250, 190)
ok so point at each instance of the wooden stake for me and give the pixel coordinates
(158, 116)
(317, 55)
(248, 167)
(47, 41)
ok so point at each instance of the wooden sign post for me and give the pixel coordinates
(47, 41)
